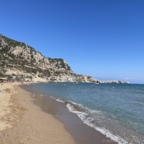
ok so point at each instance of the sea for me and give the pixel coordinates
(115, 110)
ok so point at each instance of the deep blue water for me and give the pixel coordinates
(113, 109)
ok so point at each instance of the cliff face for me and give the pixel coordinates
(20, 61)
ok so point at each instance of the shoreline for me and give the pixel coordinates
(33, 114)
(82, 133)
(28, 124)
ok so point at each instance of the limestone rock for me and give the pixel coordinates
(20, 61)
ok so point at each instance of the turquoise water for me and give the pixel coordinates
(113, 109)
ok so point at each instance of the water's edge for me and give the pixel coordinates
(72, 120)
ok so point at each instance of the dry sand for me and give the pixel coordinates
(22, 122)
(7, 106)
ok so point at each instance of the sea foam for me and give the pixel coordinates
(88, 120)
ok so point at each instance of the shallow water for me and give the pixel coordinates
(115, 110)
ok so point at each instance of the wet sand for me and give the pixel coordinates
(81, 133)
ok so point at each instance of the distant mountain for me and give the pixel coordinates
(20, 61)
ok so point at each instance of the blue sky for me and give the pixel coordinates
(101, 38)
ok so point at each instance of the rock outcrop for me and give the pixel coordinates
(20, 61)
(113, 82)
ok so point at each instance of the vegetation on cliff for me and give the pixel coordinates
(21, 61)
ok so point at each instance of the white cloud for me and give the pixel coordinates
(130, 78)
(133, 78)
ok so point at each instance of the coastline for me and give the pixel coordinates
(82, 133)
(29, 124)
(40, 119)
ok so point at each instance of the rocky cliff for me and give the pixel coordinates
(20, 61)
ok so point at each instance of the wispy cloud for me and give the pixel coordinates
(133, 78)
(130, 78)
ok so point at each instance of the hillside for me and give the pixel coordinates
(20, 61)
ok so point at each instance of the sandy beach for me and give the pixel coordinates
(22, 122)
(30, 118)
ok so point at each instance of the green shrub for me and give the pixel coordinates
(2, 75)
